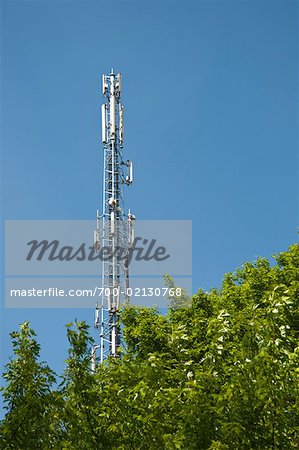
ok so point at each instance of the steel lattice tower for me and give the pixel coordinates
(114, 230)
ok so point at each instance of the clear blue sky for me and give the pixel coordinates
(211, 96)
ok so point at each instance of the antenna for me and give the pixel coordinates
(114, 228)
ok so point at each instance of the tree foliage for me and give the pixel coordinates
(219, 371)
(32, 419)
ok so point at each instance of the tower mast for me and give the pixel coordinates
(113, 225)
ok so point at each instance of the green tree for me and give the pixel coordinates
(254, 351)
(32, 419)
(219, 371)
(80, 420)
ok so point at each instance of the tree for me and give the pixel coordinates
(80, 419)
(32, 419)
(219, 371)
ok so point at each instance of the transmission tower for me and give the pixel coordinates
(114, 229)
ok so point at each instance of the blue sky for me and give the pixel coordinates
(211, 115)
